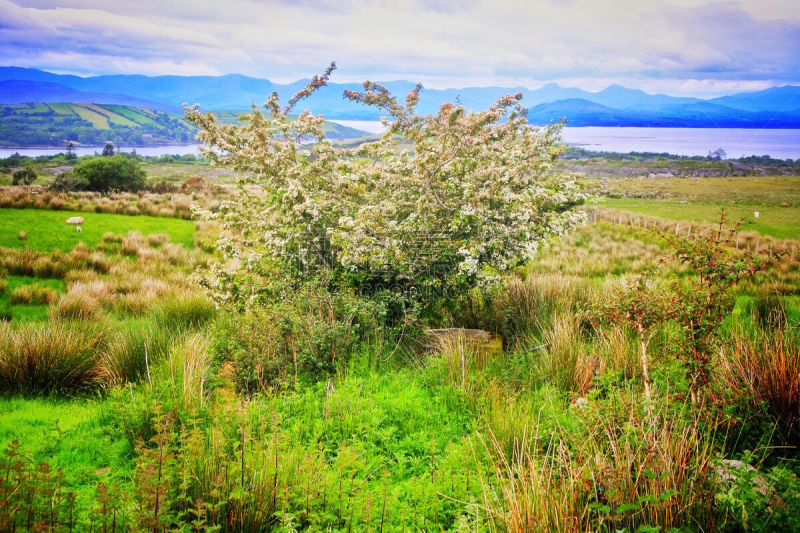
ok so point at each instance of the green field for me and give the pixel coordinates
(90, 115)
(47, 230)
(775, 198)
(51, 124)
(775, 221)
(752, 190)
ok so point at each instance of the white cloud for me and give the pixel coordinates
(664, 45)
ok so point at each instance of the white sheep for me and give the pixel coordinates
(75, 220)
(78, 229)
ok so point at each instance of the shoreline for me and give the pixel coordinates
(93, 146)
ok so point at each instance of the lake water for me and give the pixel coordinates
(780, 144)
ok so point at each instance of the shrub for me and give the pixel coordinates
(701, 305)
(24, 176)
(68, 181)
(111, 173)
(474, 198)
(311, 332)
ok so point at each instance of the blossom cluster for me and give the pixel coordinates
(442, 202)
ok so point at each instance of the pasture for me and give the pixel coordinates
(47, 229)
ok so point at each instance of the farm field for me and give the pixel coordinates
(773, 221)
(308, 413)
(47, 230)
(776, 199)
(52, 124)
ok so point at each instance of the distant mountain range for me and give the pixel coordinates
(778, 107)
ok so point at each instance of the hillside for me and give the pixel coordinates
(25, 91)
(53, 124)
(778, 107)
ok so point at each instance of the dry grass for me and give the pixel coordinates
(168, 204)
(133, 243)
(34, 294)
(76, 306)
(765, 368)
(156, 240)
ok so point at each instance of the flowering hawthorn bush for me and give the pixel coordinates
(440, 204)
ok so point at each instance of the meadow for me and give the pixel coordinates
(47, 230)
(131, 402)
(775, 199)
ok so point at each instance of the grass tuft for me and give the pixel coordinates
(60, 357)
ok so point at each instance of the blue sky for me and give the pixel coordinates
(681, 47)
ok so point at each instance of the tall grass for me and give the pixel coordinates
(464, 354)
(60, 357)
(76, 306)
(765, 368)
(618, 468)
(185, 310)
(133, 350)
(186, 371)
(566, 359)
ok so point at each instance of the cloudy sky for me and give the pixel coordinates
(688, 47)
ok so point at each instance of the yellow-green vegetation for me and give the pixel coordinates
(772, 220)
(88, 114)
(766, 205)
(756, 190)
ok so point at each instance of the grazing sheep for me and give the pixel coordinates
(78, 229)
(75, 220)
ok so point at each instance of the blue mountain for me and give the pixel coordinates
(27, 91)
(776, 99)
(613, 106)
